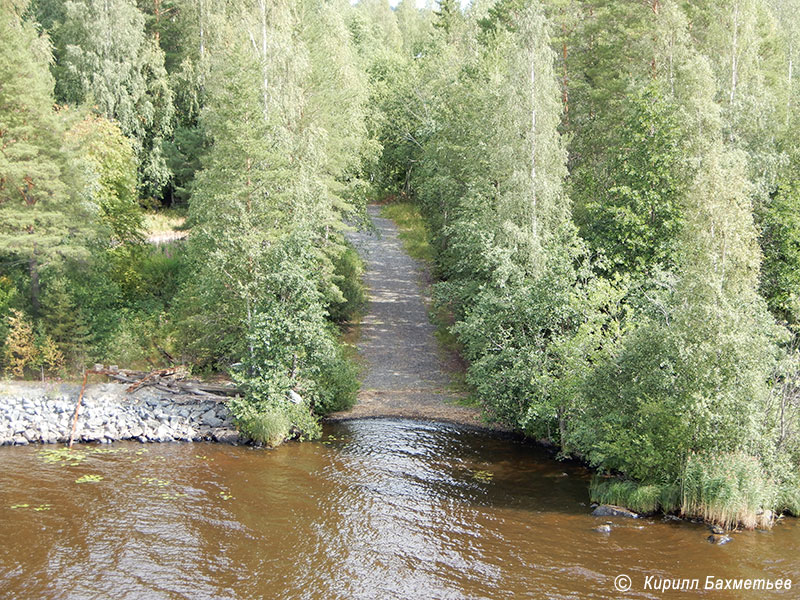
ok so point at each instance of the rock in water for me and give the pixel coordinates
(609, 510)
(720, 540)
(603, 529)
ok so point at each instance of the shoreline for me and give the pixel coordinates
(32, 412)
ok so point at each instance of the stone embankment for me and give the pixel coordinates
(43, 413)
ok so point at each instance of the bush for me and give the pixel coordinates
(348, 270)
(270, 426)
(20, 350)
(24, 350)
(8, 295)
(789, 498)
(338, 385)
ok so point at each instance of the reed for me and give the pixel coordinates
(729, 489)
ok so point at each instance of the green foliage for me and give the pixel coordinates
(413, 230)
(104, 59)
(8, 296)
(639, 340)
(643, 499)
(728, 489)
(270, 426)
(42, 220)
(348, 272)
(780, 241)
(636, 215)
(65, 322)
(106, 159)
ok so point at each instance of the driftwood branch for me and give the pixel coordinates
(172, 380)
(77, 408)
(164, 380)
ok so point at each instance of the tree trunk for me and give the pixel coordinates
(200, 25)
(262, 5)
(564, 89)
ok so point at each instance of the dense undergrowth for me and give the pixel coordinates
(608, 195)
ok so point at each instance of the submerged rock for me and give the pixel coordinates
(610, 510)
(719, 540)
(603, 529)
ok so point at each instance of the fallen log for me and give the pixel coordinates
(169, 380)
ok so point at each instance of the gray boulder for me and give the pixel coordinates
(610, 510)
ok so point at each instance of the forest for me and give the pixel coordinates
(610, 190)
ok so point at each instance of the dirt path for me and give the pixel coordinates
(406, 371)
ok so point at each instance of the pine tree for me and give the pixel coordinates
(64, 321)
(40, 216)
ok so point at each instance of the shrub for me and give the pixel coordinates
(20, 350)
(348, 270)
(789, 498)
(271, 421)
(270, 426)
(338, 385)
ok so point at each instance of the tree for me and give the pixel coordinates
(64, 321)
(780, 240)
(20, 349)
(695, 380)
(41, 218)
(636, 218)
(104, 58)
(106, 159)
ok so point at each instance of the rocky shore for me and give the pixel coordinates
(42, 413)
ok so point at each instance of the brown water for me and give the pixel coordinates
(380, 509)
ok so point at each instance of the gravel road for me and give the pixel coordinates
(406, 373)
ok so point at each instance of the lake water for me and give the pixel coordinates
(376, 509)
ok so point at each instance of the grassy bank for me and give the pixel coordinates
(728, 490)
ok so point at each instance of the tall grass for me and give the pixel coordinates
(413, 230)
(789, 499)
(637, 497)
(728, 489)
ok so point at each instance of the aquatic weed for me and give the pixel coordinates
(89, 479)
(62, 455)
(154, 481)
(175, 496)
(484, 476)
